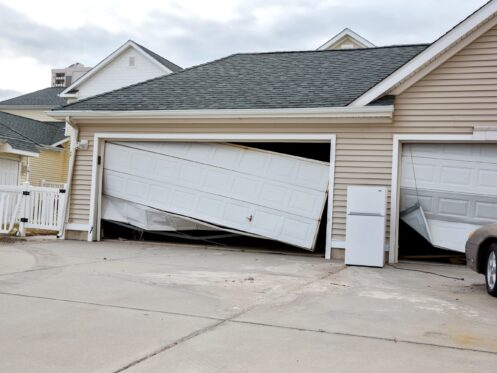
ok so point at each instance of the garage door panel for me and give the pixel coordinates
(258, 221)
(243, 201)
(486, 210)
(269, 165)
(9, 171)
(456, 185)
(196, 177)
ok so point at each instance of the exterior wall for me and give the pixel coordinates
(452, 99)
(119, 74)
(32, 114)
(51, 165)
(362, 155)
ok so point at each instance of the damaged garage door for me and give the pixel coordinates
(258, 192)
(448, 190)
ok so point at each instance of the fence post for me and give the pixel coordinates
(23, 213)
(61, 213)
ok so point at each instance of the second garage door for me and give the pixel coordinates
(263, 193)
(456, 185)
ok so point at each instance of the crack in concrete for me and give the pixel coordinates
(112, 306)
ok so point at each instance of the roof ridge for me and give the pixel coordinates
(336, 50)
(157, 56)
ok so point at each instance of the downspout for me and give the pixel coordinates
(72, 160)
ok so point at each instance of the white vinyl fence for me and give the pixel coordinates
(31, 207)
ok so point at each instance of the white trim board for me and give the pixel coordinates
(398, 140)
(106, 61)
(324, 112)
(76, 227)
(100, 138)
(447, 41)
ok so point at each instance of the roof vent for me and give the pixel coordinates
(131, 61)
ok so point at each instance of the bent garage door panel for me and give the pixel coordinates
(264, 193)
(456, 185)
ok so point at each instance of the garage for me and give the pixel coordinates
(9, 171)
(446, 192)
(263, 193)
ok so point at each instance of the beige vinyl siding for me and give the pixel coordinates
(51, 165)
(459, 94)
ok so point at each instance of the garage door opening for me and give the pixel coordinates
(254, 195)
(446, 192)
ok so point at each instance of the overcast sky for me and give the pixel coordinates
(36, 36)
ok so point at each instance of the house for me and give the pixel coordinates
(35, 104)
(131, 63)
(346, 39)
(31, 150)
(45, 153)
(368, 113)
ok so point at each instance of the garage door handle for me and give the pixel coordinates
(249, 218)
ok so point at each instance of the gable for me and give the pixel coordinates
(347, 39)
(461, 92)
(470, 72)
(448, 45)
(128, 68)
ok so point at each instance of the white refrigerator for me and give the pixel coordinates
(366, 221)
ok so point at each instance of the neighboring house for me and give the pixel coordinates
(45, 160)
(367, 104)
(129, 64)
(32, 151)
(347, 39)
(35, 104)
(66, 76)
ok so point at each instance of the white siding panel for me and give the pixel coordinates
(118, 74)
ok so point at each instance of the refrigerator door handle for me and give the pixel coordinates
(364, 214)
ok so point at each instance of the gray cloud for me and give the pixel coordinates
(295, 25)
(5, 94)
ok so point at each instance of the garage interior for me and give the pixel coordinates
(447, 190)
(227, 236)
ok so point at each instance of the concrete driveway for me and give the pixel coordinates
(137, 307)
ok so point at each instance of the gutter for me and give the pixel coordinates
(330, 112)
(72, 160)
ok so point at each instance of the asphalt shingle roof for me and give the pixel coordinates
(163, 61)
(306, 79)
(24, 133)
(47, 97)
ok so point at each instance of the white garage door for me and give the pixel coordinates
(263, 193)
(456, 185)
(9, 172)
